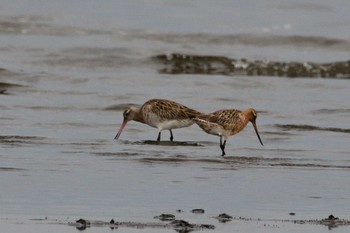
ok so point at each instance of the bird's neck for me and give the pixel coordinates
(138, 116)
(245, 117)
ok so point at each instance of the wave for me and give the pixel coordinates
(211, 65)
(181, 63)
(327, 111)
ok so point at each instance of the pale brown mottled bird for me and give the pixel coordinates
(160, 113)
(225, 123)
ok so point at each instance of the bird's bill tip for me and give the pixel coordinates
(120, 129)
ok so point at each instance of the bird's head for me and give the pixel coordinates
(252, 115)
(128, 115)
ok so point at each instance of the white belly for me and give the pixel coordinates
(212, 128)
(162, 124)
(174, 124)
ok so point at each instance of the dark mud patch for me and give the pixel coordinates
(168, 143)
(223, 218)
(288, 127)
(181, 225)
(177, 225)
(198, 211)
(165, 217)
(212, 65)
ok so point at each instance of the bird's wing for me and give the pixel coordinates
(168, 109)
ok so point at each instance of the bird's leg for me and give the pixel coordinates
(222, 146)
(158, 138)
(171, 135)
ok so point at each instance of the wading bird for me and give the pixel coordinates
(227, 122)
(161, 114)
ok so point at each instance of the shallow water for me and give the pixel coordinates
(66, 77)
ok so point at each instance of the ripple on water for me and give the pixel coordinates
(40, 25)
(119, 107)
(15, 140)
(311, 128)
(10, 169)
(5, 86)
(237, 162)
(116, 154)
(8, 85)
(327, 111)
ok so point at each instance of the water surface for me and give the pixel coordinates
(68, 72)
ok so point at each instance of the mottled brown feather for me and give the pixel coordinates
(229, 119)
(160, 113)
(227, 122)
(168, 110)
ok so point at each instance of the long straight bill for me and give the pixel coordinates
(121, 129)
(257, 133)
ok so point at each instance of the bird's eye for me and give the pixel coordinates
(126, 113)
